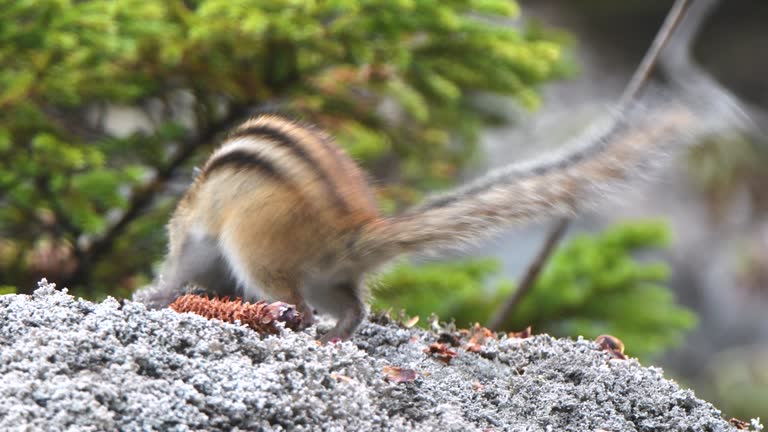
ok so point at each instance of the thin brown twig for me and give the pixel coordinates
(632, 90)
(526, 284)
(62, 220)
(644, 70)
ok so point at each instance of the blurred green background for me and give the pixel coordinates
(107, 106)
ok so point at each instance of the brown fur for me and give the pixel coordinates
(280, 211)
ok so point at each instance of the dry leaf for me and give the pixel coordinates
(411, 322)
(479, 335)
(440, 352)
(739, 424)
(524, 334)
(612, 345)
(340, 377)
(399, 375)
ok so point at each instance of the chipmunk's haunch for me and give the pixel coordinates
(281, 212)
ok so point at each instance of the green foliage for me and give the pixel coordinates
(84, 204)
(394, 80)
(454, 290)
(592, 286)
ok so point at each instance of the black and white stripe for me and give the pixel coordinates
(270, 148)
(243, 160)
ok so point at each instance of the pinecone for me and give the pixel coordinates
(260, 316)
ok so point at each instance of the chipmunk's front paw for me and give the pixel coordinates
(335, 335)
(307, 316)
(330, 337)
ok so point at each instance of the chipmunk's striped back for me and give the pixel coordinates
(273, 212)
(302, 158)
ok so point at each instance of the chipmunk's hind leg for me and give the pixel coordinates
(216, 278)
(346, 302)
(285, 286)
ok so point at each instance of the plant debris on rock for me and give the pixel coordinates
(71, 364)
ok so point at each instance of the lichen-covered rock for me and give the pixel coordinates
(72, 364)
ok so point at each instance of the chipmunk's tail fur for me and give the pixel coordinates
(600, 164)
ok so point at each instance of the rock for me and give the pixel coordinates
(73, 364)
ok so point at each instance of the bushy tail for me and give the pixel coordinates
(629, 145)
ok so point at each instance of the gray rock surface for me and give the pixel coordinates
(69, 364)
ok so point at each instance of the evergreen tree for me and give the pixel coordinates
(393, 81)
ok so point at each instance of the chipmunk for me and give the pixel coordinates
(280, 211)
